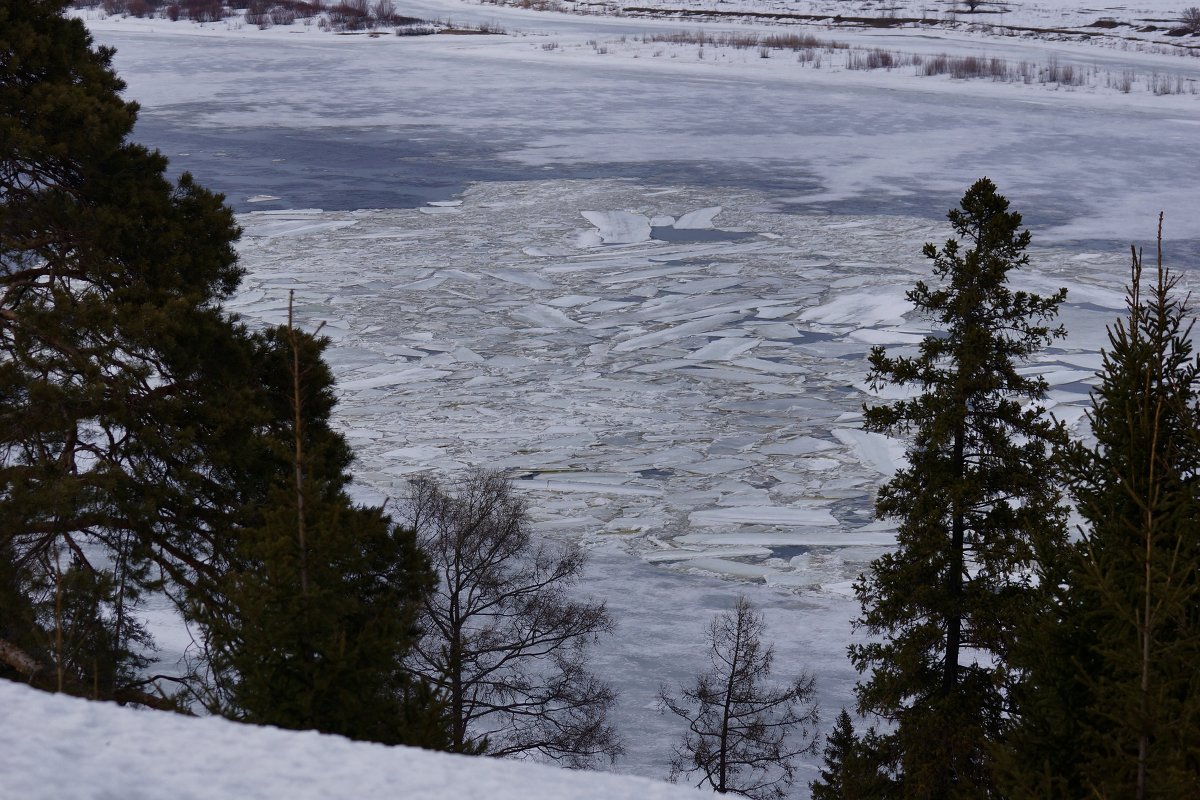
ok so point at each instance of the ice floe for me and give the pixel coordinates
(619, 227)
(699, 219)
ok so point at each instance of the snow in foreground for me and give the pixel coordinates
(54, 746)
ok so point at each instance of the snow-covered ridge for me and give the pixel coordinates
(54, 746)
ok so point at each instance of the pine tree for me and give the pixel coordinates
(1117, 712)
(978, 509)
(144, 433)
(123, 387)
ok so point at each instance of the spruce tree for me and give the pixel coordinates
(1113, 703)
(851, 770)
(977, 504)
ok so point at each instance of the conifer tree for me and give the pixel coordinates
(978, 507)
(851, 770)
(144, 433)
(123, 387)
(1112, 708)
(743, 734)
(318, 602)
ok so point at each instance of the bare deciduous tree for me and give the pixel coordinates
(1191, 19)
(504, 642)
(385, 12)
(742, 734)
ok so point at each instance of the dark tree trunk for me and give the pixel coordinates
(954, 575)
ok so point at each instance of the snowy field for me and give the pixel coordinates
(642, 275)
(55, 746)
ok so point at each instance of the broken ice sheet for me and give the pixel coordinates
(682, 389)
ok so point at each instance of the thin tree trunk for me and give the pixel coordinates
(297, 431)
(722, 756)
(455, 656)
(1154, 381)
(954, 576)
(58, 624)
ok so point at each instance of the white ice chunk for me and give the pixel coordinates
(572, 300)
(879, 305)
(411, 375)
(467, 354)
(1061, 376)
(294, 227)
(1091, 361)
(619, 227)
(722, 349)
(551, 485)
(763, 515)
(816, 464)
(509, 361)
(889, 391)
(727, 374)
(716, 466)
(673, 333)
(662, 366)
(734, 569)
(633, 524)
(781, 539)
(644, 274)
(767, 311)
(705, 285)
(776, 330)
(885, 336)
(701, 219)
(666, 556)
(770, 367)
(589, 238)
(873, 449)
(541, 316)
(520, 278)
(798, 446)
(417, 453)
(558, 525)
(788, 580)
(1067, 397)
(424, 283)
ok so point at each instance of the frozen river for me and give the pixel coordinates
(648, 283)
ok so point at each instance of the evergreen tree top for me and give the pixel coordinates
(979, 510)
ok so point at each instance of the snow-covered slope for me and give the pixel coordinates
(53, 746)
